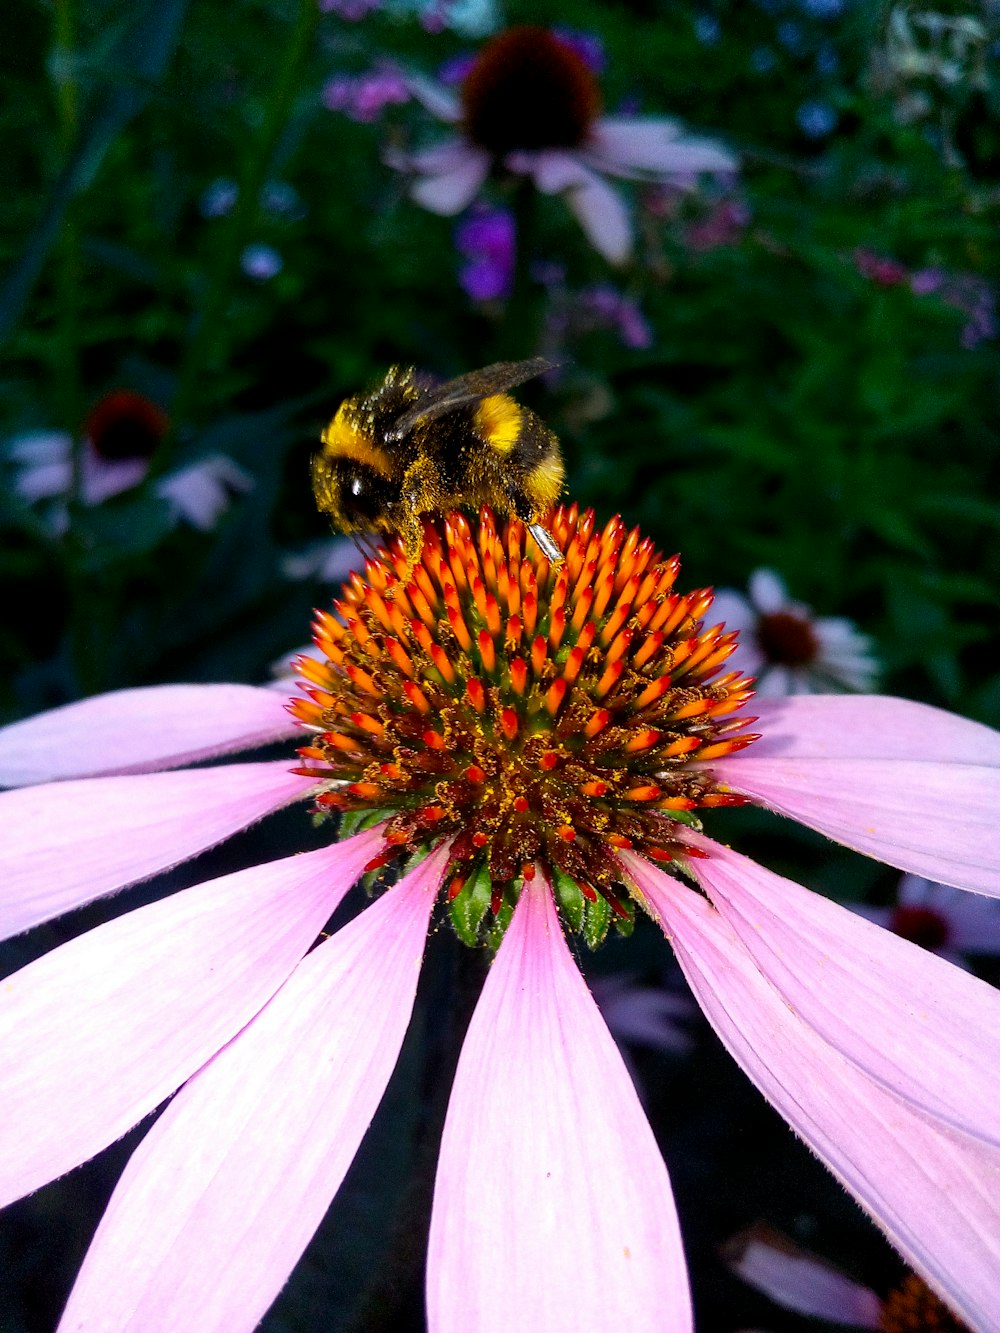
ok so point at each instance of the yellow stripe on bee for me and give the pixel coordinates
(545, 481)
(498, 420)
(343, 439)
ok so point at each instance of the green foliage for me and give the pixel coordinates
(791, 409)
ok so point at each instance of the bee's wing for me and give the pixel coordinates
(470, 388)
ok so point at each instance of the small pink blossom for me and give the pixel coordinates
(880, 269)
(724, 224)
(364, 97)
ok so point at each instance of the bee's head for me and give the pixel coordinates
(357, 495)
(354, 476)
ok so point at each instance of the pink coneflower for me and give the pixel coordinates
(530, 105)
(548, 735)
(811, 1286)
(787, 647)
(120, 435)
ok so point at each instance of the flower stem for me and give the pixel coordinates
(517, 336)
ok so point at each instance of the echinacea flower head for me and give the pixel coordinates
(808, 1285)
(788, 648)
(530, 105)
(455, 712)
(526, 749)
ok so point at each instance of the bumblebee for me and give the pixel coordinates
(415, 447)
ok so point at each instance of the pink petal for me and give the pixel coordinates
(64, 844)
(435, 98)
(553, 170)
(104, 477)
(552, 1208)
(927, 1031)
(447, 175)
(201, 492)
(38, 447)
(936, 1196)
(769, 595)
(96, 1033)
(938, 819)
(42, 481)
(654, 148)
(843, 726)
(224, 1193)
(801, 1282)
(599, 208)
(133, 731)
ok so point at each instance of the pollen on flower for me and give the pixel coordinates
(528, 89)
(435, 710)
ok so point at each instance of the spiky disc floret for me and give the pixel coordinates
(532, 713)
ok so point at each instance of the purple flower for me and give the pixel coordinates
(724, 224)
(601, 306)
(364, 97)
(807, 1284)
(351, 10)
(487, 239)
(967, 292)
(788, 648)
(587, 45)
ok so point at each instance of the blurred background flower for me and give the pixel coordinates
(530, 104)
(955, 925)
(790, 649)
(120, 437)
(809, 1285)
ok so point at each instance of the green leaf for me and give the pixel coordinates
(596, 920)
(571, 901)
(471, 904)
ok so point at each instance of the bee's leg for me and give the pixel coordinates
(421, 494)
(546, 543)
(521, 506)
